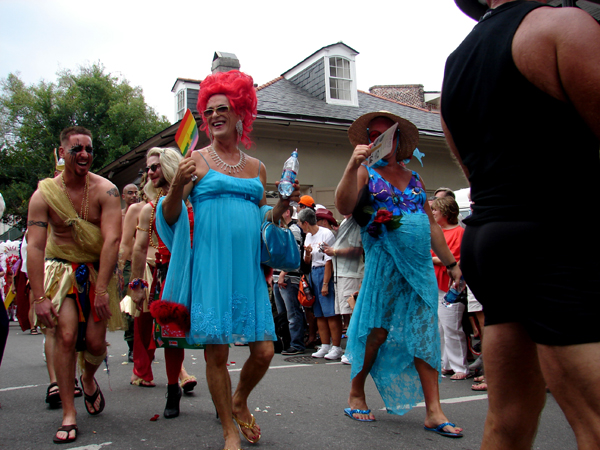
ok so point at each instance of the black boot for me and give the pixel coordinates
(173, 397)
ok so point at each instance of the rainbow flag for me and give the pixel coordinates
(187, 133)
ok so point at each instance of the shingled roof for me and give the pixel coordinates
(282, 99)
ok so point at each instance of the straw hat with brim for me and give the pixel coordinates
(472, 8)
(409, 134)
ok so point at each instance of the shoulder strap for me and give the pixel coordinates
(204, 159)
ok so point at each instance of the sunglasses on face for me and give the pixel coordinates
(208, 112)
(78, 148)
(153, 167)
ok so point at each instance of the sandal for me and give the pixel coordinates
(91, 400)
(142, 383)
(53, 395)
(248, 426)
(78, 392)
(33, 331)
(67, 429)
(459, 376)
(188, 384)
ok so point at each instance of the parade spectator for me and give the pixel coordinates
(285, 291)
(393, 333)
(541, 309)
(348, 265)
(329, 322)
(454, 341)
(325, 219)
(226, 295)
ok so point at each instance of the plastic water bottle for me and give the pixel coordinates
(453, 292)
(290, 171)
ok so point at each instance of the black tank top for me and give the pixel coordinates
(528, 154)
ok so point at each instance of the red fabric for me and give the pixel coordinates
(454, 238)
(22, 299)
(143, 352)
(169, 312)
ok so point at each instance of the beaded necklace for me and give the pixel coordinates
(85, 202)
(228, 167)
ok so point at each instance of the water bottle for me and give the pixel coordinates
(290, 171)
(453, 292)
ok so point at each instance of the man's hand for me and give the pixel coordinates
(46, 312)
(328, 250)
(101, 305)
(138, 295)
(360, 154)
(185, 171)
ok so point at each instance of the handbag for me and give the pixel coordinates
(278, 248)
(363, 201)
(306, 297)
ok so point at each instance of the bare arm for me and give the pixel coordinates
(140, 252)
(37, 233)
(180, 188)
(127, 237)
(558, 50)
(282, 204)
(354, 178)
(111, 234)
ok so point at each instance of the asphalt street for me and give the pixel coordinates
(298, 405)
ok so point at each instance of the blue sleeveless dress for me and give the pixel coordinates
(399, 294)
(220, 279)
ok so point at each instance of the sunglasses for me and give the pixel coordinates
(79, 148)
(208, 112)
(153, 167)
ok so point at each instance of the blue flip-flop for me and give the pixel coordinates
(440, 430)
(349, 412)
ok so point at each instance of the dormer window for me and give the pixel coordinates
(180, 105)
(329, 74)
(340, 80)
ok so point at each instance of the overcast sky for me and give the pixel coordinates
(152, 43)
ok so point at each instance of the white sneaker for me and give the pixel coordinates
(334, 353)
(325, 348)
(345, 360)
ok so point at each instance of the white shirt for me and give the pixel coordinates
(322, 236)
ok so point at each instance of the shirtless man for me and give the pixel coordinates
(130, 213)
(82, 210)
(130, 197)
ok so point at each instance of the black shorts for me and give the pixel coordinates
(544, 276)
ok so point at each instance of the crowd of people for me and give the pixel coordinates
(177, 270)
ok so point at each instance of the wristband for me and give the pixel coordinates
(451, 266)
(137, 282)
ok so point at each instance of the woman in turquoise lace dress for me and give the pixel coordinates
(219, 279)
(393, 333)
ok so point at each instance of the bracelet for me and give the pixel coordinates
(451, 266)
(137, 282)
(101, 292)
(39, 300)
(334, 252)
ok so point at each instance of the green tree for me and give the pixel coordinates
(32, 117)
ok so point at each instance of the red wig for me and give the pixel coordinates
(239, 90)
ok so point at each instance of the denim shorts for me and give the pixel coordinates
(324, 306)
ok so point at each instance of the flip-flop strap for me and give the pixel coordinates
(360, 411)
(244, 424)
(440, 427)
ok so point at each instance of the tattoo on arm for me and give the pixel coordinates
(114, 192)
(37, 224)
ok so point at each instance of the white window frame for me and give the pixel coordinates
(180, 104)
(351, 82)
